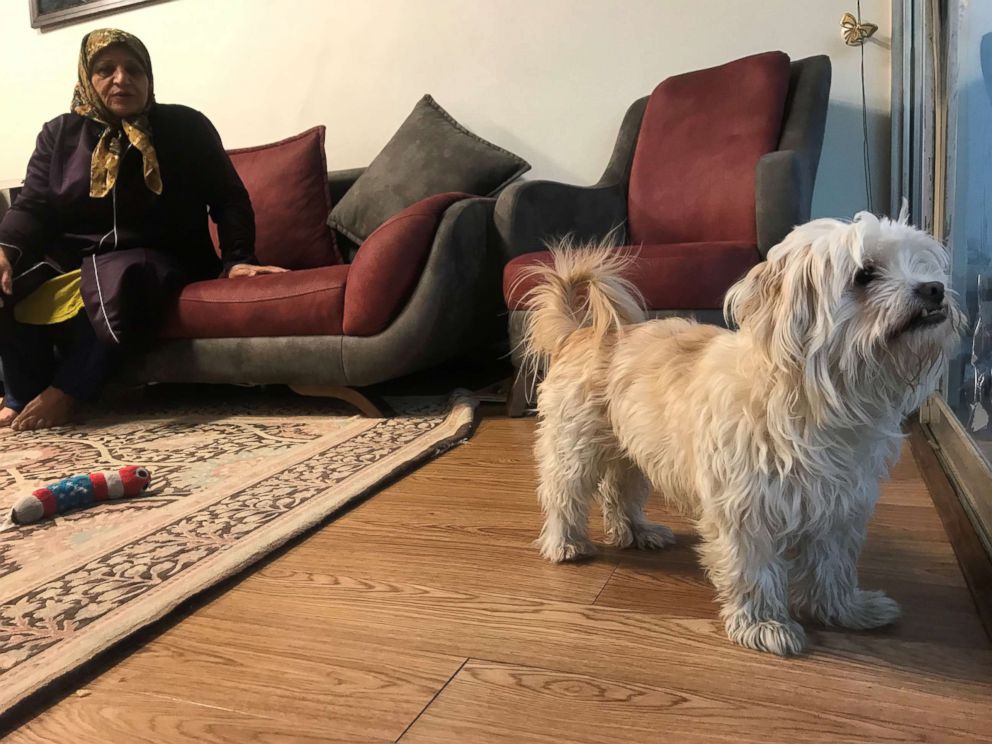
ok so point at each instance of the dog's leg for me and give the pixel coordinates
(824, 581)
(568, 467)
(624, 492)
(751, 577)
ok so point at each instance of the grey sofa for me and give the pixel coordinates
(440, 318)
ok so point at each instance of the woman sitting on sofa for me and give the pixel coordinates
(122, 178)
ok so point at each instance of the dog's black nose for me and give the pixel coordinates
(932, 294)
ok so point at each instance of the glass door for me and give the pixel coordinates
(961, 420)
(968, 210)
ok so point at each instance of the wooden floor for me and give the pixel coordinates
(424, 615)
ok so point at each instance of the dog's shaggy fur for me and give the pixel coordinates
(773, 438)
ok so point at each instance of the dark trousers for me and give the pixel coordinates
(66, 355)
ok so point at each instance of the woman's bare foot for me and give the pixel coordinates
(52, 407)
(7, 416)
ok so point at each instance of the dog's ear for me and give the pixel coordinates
(750, 294)
(798, 307)
(864, 235)
(784, 305)
(777, 303)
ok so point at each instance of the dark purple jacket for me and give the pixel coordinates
(54, 217)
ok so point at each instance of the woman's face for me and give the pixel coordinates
(120, 81)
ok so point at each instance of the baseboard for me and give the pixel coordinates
(968, 547)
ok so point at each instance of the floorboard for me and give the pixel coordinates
(426, 615)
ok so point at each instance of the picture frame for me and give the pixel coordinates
(50, 13)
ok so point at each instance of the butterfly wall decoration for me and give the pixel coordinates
(856, 33)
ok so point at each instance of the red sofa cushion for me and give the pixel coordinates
(287, 182)
(389, 263)
(679, 276)
(309, 302)
(692, 177)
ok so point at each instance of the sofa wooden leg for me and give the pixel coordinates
(373, 408)
(522, 394)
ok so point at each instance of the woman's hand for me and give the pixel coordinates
(252, 270)
(6, 275)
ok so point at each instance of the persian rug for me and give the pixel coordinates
(230, 483)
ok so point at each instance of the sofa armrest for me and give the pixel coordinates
(785, 179)
(339, 181)
(531, 213)
(440, 319)
(779, 197)
(389, 264)
(342, 180)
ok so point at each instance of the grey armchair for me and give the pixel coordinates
(707, 174)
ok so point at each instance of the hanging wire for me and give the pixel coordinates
(864, 123)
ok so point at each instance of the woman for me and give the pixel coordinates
(120, 172)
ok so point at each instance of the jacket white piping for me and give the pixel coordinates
(113, 196)
(96, 273)
(103, 308)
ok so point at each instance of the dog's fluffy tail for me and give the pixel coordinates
(583, 287)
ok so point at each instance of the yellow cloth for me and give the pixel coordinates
(55, 301)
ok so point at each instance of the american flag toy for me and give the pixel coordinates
(80, 491)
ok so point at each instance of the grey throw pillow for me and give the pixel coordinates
(430, 154)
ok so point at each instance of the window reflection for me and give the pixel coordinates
(969, 207)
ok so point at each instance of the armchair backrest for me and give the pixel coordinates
(693, 172)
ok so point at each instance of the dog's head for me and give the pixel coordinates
(858, 312)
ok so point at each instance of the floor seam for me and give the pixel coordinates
(607, 582)
(433, 698)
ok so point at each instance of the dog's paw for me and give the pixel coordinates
(868, 610)
(618, 532)
(562, 551)
(644, 536)
(648, 536)
(773, 636)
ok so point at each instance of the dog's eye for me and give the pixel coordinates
(864, 276)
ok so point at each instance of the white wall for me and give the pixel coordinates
(547, 79)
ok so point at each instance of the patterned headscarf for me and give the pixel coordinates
(86, 102)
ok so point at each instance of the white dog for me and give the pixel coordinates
(774, 437)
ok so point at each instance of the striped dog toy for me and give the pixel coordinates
(80, 491)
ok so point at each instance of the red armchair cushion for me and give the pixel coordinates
(389, 263)
(679, 276)
(287, 182)
(308, 302)
(692, 177)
